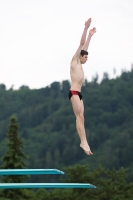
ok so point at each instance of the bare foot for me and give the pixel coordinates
(86, 148)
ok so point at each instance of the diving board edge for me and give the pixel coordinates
(46, 185)
(29, 171)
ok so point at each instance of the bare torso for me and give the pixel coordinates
(77, 75)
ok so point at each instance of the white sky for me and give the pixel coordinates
(39, 37)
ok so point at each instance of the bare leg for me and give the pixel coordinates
(78, 109)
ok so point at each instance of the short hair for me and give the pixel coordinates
(83, 52)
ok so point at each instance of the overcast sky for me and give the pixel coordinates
(39, 37)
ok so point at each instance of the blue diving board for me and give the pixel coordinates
(45, 185)
(29, 171)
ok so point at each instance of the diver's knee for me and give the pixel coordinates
(80, 117)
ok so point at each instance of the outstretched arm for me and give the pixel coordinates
(83, 39)
(86, 45)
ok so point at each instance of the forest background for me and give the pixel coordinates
(47, 123)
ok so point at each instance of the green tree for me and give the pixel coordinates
(2, 86)
(111, 184)
(14, 159)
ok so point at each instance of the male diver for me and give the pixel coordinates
(77, 80)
